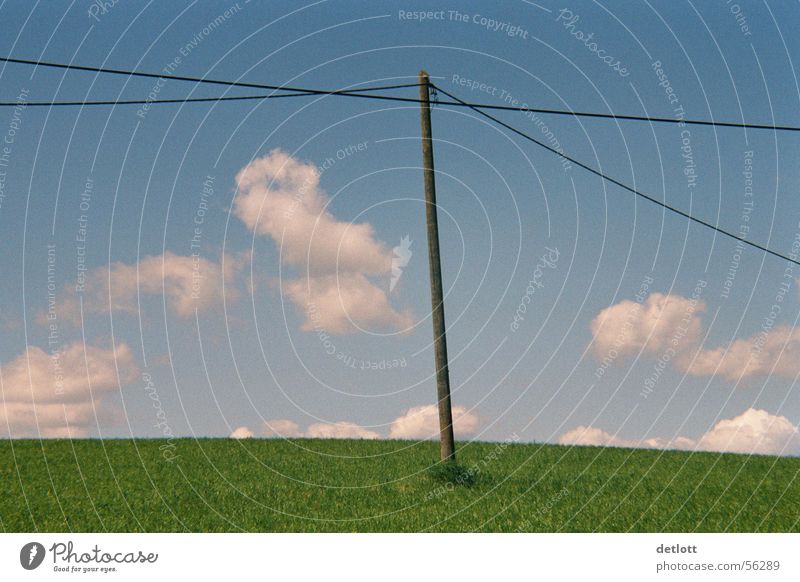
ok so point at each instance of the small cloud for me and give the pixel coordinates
(669, 326)
(187, 283)
(242, 432)
(593, 437)
(419, 422)
(284, 428)
(63, 394)
(661, 322)
(752, 432)
(281, 428)
(422, 422)
(776, 351)
(339, 430)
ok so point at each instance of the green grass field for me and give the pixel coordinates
(345, 485)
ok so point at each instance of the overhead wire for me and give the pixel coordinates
(358, 93)
(624, 186)
(457, 102)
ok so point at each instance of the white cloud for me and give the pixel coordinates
(279, 196)
(285, 428)
(660, 323)
(282, 428)
(339, 303)
(422, 422)
(242, 432)
(186, 283)
(60, 397)
(776, 351)
(419, 422)
(595, 437)
(669, 326)
(339, 430)
(754, 431)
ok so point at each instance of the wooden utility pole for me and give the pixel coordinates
(448, 446)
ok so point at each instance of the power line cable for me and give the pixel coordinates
(625, 186)
(356, 93)
(478, 108)
(182, 99)
(143, 101)
(343, 92)
(526, 109)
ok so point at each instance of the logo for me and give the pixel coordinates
(31, 555)
(402, 255)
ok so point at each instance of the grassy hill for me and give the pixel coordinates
(348, 485)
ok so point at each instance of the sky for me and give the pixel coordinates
(259, 268)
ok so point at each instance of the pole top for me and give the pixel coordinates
(423, 76)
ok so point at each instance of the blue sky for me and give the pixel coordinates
(244, 356)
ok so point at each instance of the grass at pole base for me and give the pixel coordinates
(453, 473)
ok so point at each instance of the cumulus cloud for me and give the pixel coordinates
(319, 430)
(281, 428)
(596, 437)
(422, 422)
(242, 432)
(419, 422)
(754, 431)
(775, 351)
(670, 327)
(59, 395)
(338, 303)
(660, 323)
(279, 196)
(186, 283)
(339, 430)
